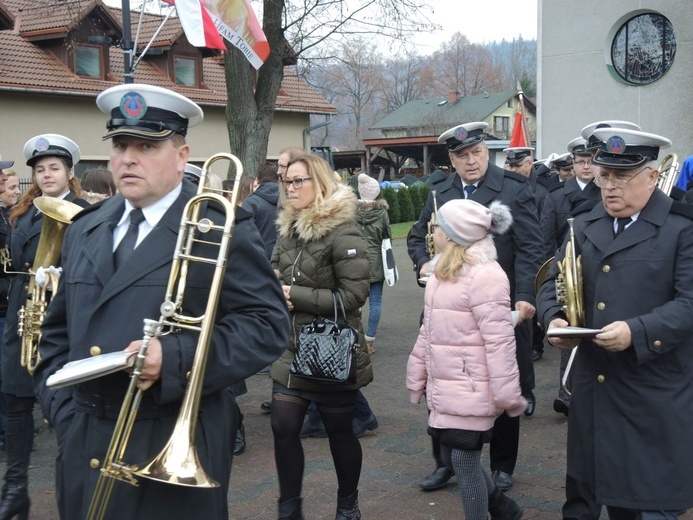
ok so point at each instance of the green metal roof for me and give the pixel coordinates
(438, 111)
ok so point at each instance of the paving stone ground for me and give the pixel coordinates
(395, 457)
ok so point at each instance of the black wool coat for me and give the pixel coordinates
(97, 306)
(520, 250)
(631, 412)
(566, 200)
(22, 241)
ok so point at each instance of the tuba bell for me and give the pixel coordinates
(669, 170)
(431, 227)
(57, 214)
(178, 462)
(569, 292)
(569, 283)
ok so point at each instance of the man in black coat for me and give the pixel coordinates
(519, 254)
(521, 160)
(105, 293)
(262, 204)
(631, 411)
(566, 200)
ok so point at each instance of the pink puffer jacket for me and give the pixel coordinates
(464, 358)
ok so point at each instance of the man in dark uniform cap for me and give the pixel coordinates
(631, 411)
(564, 166)
(521, 160)
(570, 198)
(519, 254)
(546, 176)
(106, 292)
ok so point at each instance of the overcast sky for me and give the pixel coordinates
(479, 20)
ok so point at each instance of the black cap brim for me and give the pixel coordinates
(51, 152)
(620, 161)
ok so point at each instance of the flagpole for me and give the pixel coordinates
(127, 44)
(525, 128)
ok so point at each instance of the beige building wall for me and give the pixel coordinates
(575, 88)
(23, 115)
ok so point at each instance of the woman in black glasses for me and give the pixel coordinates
(319, 250)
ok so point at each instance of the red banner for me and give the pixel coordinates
(518, 137)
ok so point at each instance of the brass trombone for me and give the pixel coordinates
(178, 462)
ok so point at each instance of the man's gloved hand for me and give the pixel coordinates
(44, 274)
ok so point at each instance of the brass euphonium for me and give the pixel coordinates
(57, 214)
(669, 170)
(177, 463)
(569, 293)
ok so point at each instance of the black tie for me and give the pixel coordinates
(469, 190)
(621, 225)
(127, 244)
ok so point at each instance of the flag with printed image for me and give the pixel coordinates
(236, 21)
(197, 24)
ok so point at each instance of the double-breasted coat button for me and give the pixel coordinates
(95, 351)
(94, 463)
(27, 265)
(601, 306)
(657, 344)
(601, 378)
(606, 268)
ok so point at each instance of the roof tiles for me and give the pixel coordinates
(24, 65)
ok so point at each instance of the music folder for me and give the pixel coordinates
(572, 332)
(90, 368)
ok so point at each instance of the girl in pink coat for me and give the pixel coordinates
(464, 358)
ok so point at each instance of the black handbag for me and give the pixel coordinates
(325, 349)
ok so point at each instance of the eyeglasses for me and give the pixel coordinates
(581, 163)
(297, 183)
(282, 166)
(619, 180)
(433, 227)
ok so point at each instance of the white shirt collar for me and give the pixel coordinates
(154, 212)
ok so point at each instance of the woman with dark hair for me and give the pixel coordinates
(51, 158)
(97, 185)
(319, 251)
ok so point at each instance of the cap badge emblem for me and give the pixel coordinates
(41, 144)
(133, 106)
(460, 134)
(511, 154)
(615, 144)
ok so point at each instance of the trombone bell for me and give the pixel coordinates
(178, 464)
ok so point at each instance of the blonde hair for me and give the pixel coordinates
(321, 174)
(451, 261)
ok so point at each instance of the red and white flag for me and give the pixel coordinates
(236, 21)
(197, 24)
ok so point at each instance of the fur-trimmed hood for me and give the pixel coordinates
(317, 221)
(367, 205)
